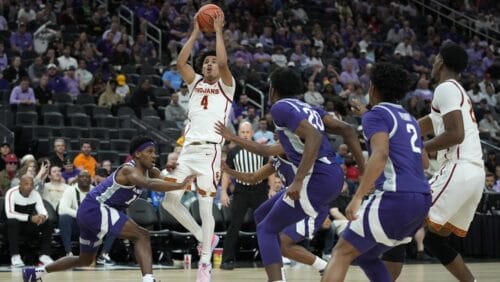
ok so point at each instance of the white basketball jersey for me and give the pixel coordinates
(208, 104)
(450, 96)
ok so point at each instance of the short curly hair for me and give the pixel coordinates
(137, 141)
(454, 56)
(390, 80)
(286, 82)
(201, 59)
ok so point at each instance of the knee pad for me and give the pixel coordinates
(439, 247)
(395, 254)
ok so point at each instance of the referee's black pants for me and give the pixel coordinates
(243, 199)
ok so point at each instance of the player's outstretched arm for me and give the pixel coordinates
(343, 129)
(254, 147)
(187, 71)
(220, 49)
(252, 178)
(131, 176)
(453, 133)
(379, 143)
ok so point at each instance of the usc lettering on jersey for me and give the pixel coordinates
(450, 96)
(208, 103)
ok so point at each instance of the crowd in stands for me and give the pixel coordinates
(77, 52)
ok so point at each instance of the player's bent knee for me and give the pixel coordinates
(439, 247)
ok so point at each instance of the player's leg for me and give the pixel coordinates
(172, 201)
(264, 209)
(142, 246)
(394, 259)
(282, 214)
(373, 266)
(342, 256)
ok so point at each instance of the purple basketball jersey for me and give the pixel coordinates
(287, 115)
(403, 171)
(112, 194)
(285, 169)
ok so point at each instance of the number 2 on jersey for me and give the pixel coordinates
(413, 141)
(204, 102)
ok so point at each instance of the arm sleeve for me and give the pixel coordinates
(447, 98)
(10, 206)
(40, 208)
(377, 120)
(66, 203)
(286, 114)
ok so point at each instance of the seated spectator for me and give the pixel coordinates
(106, 45)
(349, 75)
(56, 84)
(175, 112)
(475, 93)
(312, 96)
(65, 61)
(143, 97)
(489, 183)
(252, 117)
(492, 162)
(26, 13)
(4, 61)
(54, 189)
(69, 17)
(29, 167)
(37, 69)
(349, 58)
(490, 125)
(4, 151)
(121, 56)
(149, 12)
(300, 59)
(114, 30)
(423, 92)
(262, 135)
(122, 89)
(23, 93)
(261, 59)
(9, 173)
(146, 48)
(73, 83)
(57, 156)
(110, 98)
(106, 164)
(15, 71)
(27, 217)
(404, 48)
(278, 56)
(83, 74)
(100, 175)
(69, 171)
(21, 41)
(84, 160)
(171, 78)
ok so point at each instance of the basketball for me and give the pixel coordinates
(205, 17)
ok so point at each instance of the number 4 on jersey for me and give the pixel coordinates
(204, 102)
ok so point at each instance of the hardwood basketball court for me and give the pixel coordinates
(485, 272)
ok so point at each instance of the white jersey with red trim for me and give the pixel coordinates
(450, 96)
(208, 104)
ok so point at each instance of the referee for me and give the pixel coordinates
(245, 196)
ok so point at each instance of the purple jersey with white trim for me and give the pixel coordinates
(404, 170)
(111, 193)
(287, 115)
(285, 169)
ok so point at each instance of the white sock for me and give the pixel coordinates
(319, 263)
(207, 227)
(148, 278)
(40, 271)
(172, 203)
(283, 279)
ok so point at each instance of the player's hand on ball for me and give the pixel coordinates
(218, 21)
(196, 26)
(352, 209)
(293, 191)
(222, 130)
(186, 184)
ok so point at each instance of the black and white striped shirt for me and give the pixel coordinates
(242, 160)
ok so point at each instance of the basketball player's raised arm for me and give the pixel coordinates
(254, 147)
(252, 178)
(343, 129)
(220, 49)
(186, 70)
(132, 176)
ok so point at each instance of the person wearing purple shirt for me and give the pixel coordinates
(318, 180)
(102, 211)
(72, 83)
(349, 58)
(149, 12)
(23, 93)
(349, 75)
(402, 198)
(4, 61)
(56, 83)
(21, 40)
